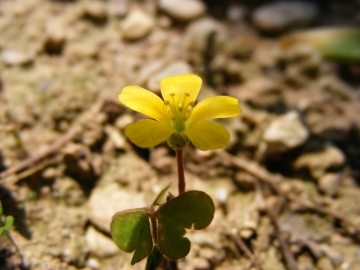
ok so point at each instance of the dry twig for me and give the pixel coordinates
(74, 131)
(34, 159)
(273, 179)
(240, 243)
(273, 213)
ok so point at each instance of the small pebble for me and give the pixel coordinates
(137, 25)
(280, 16)
(183, 10)
(329, 182)
(15, 58)
(100, 245)
(285, 132)
(95, 11)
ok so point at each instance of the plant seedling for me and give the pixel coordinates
(5, 224)
(176, 119)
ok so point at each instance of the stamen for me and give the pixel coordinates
(172, 94)
(166, 103)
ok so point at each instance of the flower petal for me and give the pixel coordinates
(147, 133)
(208, 135)
(213, 107)
(179, 85)
(145, 102)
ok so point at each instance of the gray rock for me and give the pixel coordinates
(182, 10)
(137, 25)
(280, 16)
(285, 133)
(236, 13)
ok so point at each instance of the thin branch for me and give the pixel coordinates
(273, 179)
(240, 243)
(34, 159)
(22, 264)
(289, 257)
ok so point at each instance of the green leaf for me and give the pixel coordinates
(2, 230)
(154, 259)
(9, 221)
(161, 194)
(1, 210)
(344, 49)
(192, 209)
(130, 230)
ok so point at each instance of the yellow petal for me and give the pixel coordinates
(179, 85)
(147, 133)
(144, 101)
(208, 135)
(213, 107)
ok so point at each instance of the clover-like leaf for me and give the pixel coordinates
(130, 230)
(192, 209)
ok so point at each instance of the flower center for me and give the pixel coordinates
(179, 111)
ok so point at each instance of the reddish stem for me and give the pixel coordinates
(180, 163)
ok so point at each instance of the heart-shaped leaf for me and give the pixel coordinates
(130, 230)
(192, 209)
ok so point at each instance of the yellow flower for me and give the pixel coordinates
(175, 118)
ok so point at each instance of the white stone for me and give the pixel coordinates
(287, 131)
(280, 16)
(16, 58)
(100, 245)
(106, 200)
(183, 10)
(93, 264)
(137, 25)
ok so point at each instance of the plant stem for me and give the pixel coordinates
(180, 164)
